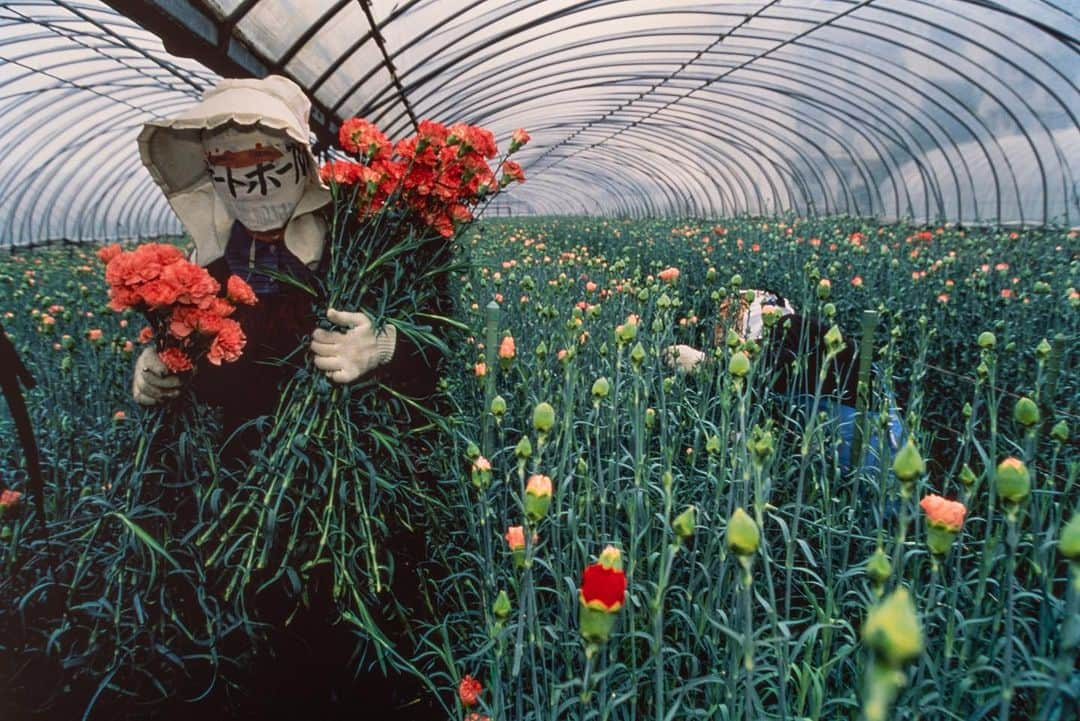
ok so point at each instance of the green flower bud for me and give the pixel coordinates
(637, 355)
(829, 309)
(743, 536)
(824, 288)
(472, 451)
(987, 340)
(1069, 543)
(834, 340)
(600, 389)
(893, 631)
(523, 450)
(684, 523)
(736, 280)
(982, 370)
(1043, 349)
(1060, 432)
(908, 464)
(650, 417)
(732, 339)
(967, 476)
(541, 350)
(739, 365)
(501, 607)
(663, 302)
(643, 295)
(710, 274)
(761, 444)
(712, 445)
(543, 417)
(878, 567)
(498, 406)
(1026, 413)
(1012, 480)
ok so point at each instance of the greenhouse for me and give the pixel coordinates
(598, 360)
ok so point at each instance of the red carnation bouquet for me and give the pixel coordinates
(189, 321)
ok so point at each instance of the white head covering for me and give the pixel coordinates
(172, 150)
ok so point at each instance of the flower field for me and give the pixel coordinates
(612, 538)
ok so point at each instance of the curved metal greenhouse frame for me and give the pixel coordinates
(963, 111)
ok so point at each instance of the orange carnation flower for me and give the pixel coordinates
(944, 513)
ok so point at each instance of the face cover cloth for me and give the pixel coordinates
(259, 175)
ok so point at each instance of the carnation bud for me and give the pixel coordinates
(761, 444)
(712, 445)
(743, 536)
(501, 607)
(1060, 432)
(537, 496)
(683, 525)
(834, 340)
(637, 355)
(498, 406)
(650, 417)
(1012, 480)
(878, 567)
(523, 449)
(892, 629)
(543, 417)
(824, 288)
(1069, 543)
(1026, 413)
(1043, 349)
(736, 280)
(472, 451)
(600, 389)
(663, 302)
(908, 464)
(967, 476)
(739, 365)
(987, 340)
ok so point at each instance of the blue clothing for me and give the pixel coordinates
(246, 257)
(844, 418)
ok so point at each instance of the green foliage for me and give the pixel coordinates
(121, 601)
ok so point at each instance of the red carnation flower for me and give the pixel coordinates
(175, 360)
(10, 499)
(360, 137)
(603, 589)
(238, 291)
(469, 690)
(108, 252)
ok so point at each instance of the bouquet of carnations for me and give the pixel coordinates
(338, 470)
(188, 320)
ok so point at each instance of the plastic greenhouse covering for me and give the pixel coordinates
(963, 111)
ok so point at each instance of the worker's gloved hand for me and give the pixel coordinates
(344, 357)
(153, 382)
(683, 358)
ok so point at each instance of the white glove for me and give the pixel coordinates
(683, 358)
(344, 357)
(152, 382)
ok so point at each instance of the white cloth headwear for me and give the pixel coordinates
(172, 150)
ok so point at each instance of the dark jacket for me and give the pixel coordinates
(278, 329)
